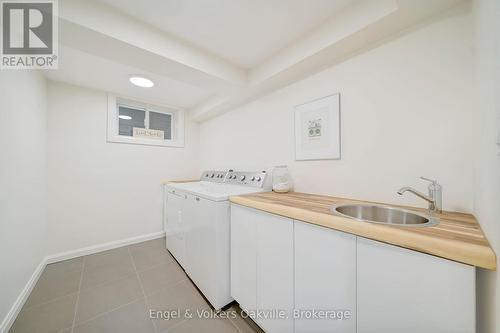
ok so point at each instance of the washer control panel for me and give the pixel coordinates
(214, 176)
(254, 179)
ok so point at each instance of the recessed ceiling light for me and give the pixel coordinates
(141, 81)
(124, 117)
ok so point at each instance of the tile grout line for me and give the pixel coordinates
(234, 324)
(141, 286)
(49, 301)
(78, 295)
(29, 307)
(233, 320)
(156, 266)
(104, 284)
(180, 322)
(175, 325)
(108, 311)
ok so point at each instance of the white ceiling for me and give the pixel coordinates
(77, 67)
(243, 32)
(210, 56)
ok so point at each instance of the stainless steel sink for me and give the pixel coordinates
(384, 214)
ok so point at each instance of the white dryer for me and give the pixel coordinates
(197, 227)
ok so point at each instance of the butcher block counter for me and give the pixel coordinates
(457, 236)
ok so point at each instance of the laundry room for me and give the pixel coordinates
(249, 166)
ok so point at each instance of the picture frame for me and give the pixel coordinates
(317, 129)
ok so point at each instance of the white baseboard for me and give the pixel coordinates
(53, 258)
(84, 251)
(21, 299)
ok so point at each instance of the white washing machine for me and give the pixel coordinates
(197, 227)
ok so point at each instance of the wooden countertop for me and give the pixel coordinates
(457, 237)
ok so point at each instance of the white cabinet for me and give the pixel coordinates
(262, 266)
(278, 263)
(325, 279)
(244, 257)
(400, 290)
(175, 225)
(275, 271)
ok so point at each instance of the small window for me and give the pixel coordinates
(139, 123)
(161, 122)
(128, 118)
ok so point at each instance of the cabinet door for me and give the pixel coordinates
(400, 290)
(274, 270)
(325, 278)
(174, 231)
(244, 257)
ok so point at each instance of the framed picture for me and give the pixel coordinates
(317, 129)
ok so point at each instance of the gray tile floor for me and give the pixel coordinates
(114, 291)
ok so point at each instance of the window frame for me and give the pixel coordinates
(176, 124)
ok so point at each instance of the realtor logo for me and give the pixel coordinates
(29, 34)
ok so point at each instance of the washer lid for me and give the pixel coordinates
(213, 191)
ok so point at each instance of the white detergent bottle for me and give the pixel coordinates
(282, 181)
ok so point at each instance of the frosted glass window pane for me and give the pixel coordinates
(130, 118)
(161, 121)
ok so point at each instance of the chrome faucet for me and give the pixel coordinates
(434, 198)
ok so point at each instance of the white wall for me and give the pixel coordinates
(487, 187)
(407, 111)
(22, 181)
(101, 192)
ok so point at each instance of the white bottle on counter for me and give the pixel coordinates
(282, 181)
